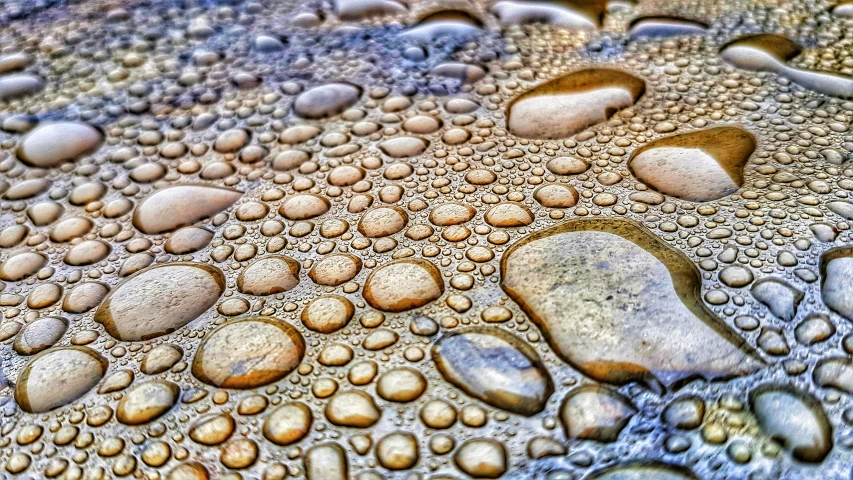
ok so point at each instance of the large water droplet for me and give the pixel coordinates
(644, 471)
(584, 15)
(159, 300)
(662, 26)
(444, 23)
(595, 413)
(794, 419)
(697, 166)
(769, 52)
(837, 288)
(620, 305)
(57, 377)
(51, 144)
(403, 285)
(569, 104)
(248, 353)
(495, 367)
(326, 100)
(181, 205)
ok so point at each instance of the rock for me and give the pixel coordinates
(685, 412)
(837, 287)
(643, 471)
(835, 373)
(542, 447)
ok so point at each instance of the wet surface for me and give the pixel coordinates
(426, 240)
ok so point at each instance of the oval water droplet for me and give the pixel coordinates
(495, 367)
(160, 300)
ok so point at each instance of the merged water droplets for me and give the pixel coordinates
(621, 306)
(770, 52)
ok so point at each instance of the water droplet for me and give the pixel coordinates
(160, 300)
(178, 206)
(57, 377)
(610, 297)
(248, 353)
(697, 166)
(566, 106)
(495, 367)
(403, 285)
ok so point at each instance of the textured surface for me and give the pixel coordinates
(333, 239)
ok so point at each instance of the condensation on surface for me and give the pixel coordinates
(391, 239)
